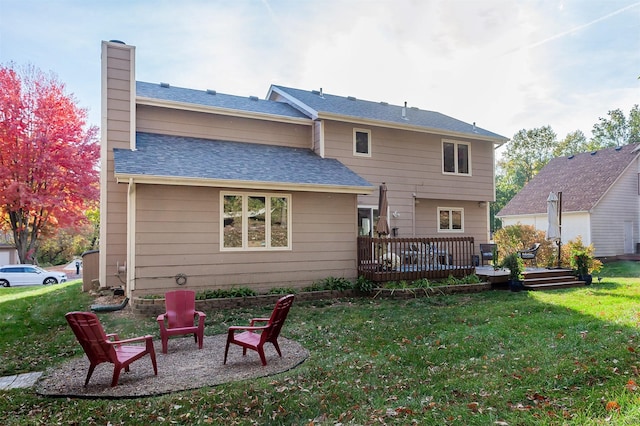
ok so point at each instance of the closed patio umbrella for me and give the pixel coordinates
(554, 207)
(382, 226)
(553, 230)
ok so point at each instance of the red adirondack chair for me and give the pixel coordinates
(101, 347)
(180, 317)
(254, 337)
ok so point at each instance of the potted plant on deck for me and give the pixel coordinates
(514, 264)
(584, 265)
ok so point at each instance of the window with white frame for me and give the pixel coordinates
(367, 219)
(456, 157)
(255, 221)
(362, 142)
(450, 219)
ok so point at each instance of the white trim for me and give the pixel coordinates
(222, 183)
(294, 102)
(245, 223)
(450, 210)
(320, 125)
(369, 142)
(455, 157)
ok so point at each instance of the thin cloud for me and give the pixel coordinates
(575, 29)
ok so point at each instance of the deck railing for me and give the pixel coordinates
(395, 259)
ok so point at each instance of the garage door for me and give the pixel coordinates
(4, 258)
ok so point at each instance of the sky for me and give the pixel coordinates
(506, 65)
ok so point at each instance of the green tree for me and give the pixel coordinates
(506, 189)
(93, 216)
(530, 150)
(527, 153)
(616, 129)
(574, 143)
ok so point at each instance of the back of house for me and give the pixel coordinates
(209, 190)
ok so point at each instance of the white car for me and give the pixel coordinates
(29, 275)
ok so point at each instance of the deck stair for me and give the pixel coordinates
(550, 279)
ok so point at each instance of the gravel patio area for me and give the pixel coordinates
(183, 367)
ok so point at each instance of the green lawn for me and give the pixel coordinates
(494, 358)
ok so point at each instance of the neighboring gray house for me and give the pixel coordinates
(240, 191)
(600, 199)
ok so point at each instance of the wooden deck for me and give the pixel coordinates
(534, 278)
(396, 259)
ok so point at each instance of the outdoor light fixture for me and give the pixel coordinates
(482, 204)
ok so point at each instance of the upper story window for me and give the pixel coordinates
(362, 142)
(450, 219)
(255, 221)
(456, 157)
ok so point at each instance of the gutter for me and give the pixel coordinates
(239, 184)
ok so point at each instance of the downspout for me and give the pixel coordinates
(320, 125)
(131, 240)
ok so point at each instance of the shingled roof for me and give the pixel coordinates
(318, 104)
(165, 158)
(583, 180)
(214, 99)
(306, 105)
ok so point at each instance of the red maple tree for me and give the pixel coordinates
(48, 158)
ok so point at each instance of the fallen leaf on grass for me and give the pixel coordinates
(536, 397)
(631, 386)
(429, 406)
(612, 405)
(521, 407)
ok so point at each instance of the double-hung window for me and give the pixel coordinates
(450, 219)
(255, 221)
(362, 142)
(456, 157)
